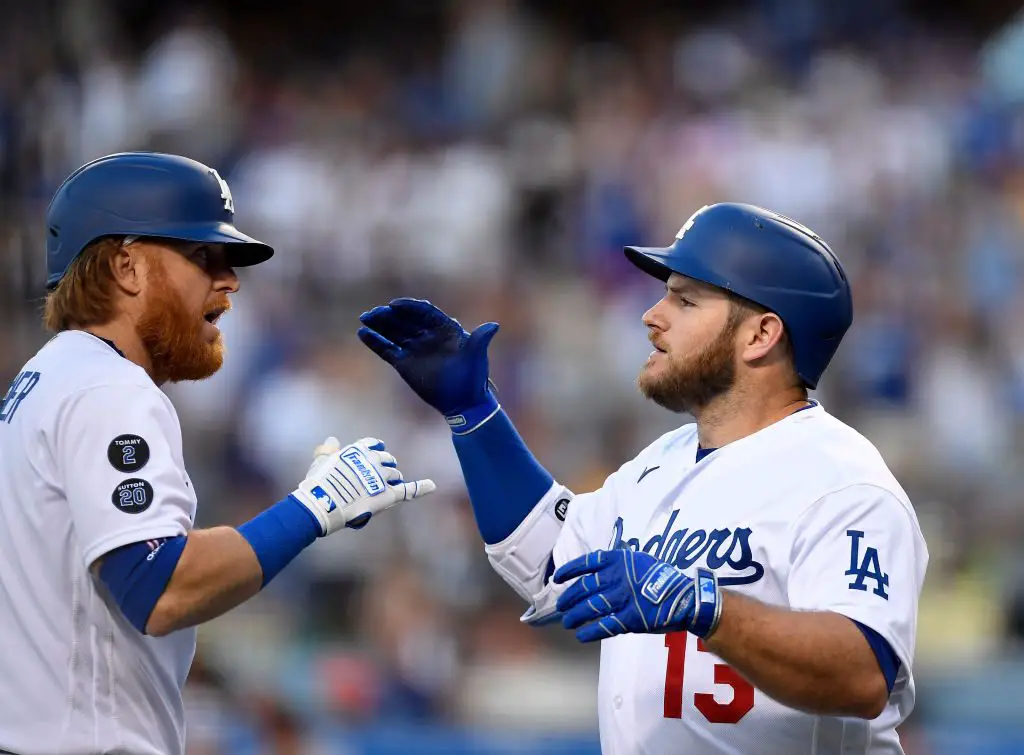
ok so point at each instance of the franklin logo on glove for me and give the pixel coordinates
(657, 585)
(371, 480)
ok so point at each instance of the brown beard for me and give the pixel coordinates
(173, 336)
(688, 387)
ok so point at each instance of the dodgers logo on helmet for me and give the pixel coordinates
(689, 223)
(225, 192)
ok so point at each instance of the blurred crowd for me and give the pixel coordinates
(497, 167)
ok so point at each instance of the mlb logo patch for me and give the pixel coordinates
(321, 495)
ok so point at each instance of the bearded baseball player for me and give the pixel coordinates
(102, 575)
(753, 577)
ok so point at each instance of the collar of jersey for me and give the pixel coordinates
(703, 453)
(107, 341)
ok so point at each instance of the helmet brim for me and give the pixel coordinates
(650, 259)
(242, 250)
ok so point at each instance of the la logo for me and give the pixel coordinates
(225, 192)
(866, 567)
(689, 223)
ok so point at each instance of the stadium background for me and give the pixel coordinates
(494, 156)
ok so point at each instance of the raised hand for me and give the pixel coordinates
(346, 486)
(445, 365)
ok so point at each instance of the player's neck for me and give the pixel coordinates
(740, 413)
(124, 336)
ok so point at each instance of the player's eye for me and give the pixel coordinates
(200, 256)
(674, 294)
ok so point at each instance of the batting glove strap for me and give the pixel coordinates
(708, 609)
(468, 420)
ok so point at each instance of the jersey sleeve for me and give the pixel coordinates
(859, 552)
(576, 537)
(122, 482)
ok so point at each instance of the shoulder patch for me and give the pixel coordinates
(133, 496)
(128, 453)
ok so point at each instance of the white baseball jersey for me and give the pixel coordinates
(803, 514)
(90, 460)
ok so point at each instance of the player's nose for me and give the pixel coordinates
(225, 280)
(653, 319)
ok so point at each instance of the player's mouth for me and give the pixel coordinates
(211, 316)
(214, 314)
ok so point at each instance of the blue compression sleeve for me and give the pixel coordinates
(137, 575)
(279, 534)
(504, 480)
(888, 661)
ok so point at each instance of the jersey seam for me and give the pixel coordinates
(73, 656)
(97, 649)
(67, 397)
(112, 680)
(905, 507)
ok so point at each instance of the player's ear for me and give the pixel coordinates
(765, 333)
(127, 267)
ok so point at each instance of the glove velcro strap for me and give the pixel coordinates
(470, 419)
(709, 604)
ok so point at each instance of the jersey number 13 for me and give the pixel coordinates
(714, 711)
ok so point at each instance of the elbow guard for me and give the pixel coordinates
(524, 558)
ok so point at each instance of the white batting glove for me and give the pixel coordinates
(346, 486)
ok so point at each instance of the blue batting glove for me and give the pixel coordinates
(623, 590)
(445, 365)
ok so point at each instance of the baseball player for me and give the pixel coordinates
(753, 577)
(102, 576)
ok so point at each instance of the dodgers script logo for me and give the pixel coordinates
(684, 547)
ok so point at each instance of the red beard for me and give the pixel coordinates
(173, 336)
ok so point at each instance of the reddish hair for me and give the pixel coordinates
(85, 295)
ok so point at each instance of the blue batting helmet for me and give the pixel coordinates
(143, 194)
(770, 260)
